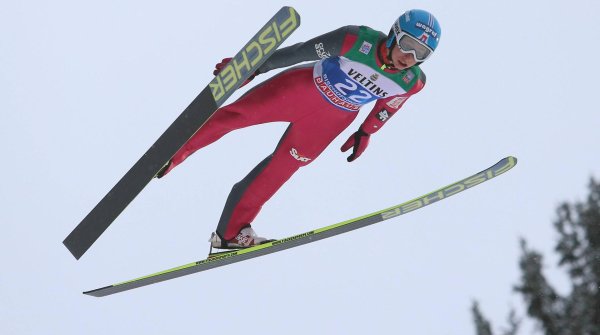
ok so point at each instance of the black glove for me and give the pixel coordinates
(358, 142)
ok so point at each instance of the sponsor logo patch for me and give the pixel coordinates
(408, 77)
(427, 29)
(383, 115)
(298, 157)
(396, 102)
(320, 48)
(366, 83)
(365, 48)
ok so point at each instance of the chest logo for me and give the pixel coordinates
(408, 77)
(365, 48)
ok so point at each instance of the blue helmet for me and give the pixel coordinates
(418, 24)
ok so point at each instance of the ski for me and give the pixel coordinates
(225, 258)
(243, 64)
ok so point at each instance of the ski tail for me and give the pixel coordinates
(244, 64)
(226, 258)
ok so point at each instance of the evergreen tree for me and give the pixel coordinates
(482, 326)
(578, 248)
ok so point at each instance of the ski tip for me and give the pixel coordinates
(504, 165)
(290, 9)
(99, 292)
(73, 248)
(512, 159)
(293, 12)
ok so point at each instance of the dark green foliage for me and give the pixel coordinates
(578, 248)
(482, 326)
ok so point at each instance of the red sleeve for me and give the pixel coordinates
(348, 43)
(385, 108)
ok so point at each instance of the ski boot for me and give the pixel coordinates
(246, 238)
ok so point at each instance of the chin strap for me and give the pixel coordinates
(389, 57)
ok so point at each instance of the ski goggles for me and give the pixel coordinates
(409, 44)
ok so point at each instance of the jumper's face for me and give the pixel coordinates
(402, 60)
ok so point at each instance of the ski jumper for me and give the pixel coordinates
(319, 100)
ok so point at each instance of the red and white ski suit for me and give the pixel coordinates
(315, 119)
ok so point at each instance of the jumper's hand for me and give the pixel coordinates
(358, 142)
(221, 65)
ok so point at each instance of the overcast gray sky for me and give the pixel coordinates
(86, 87)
